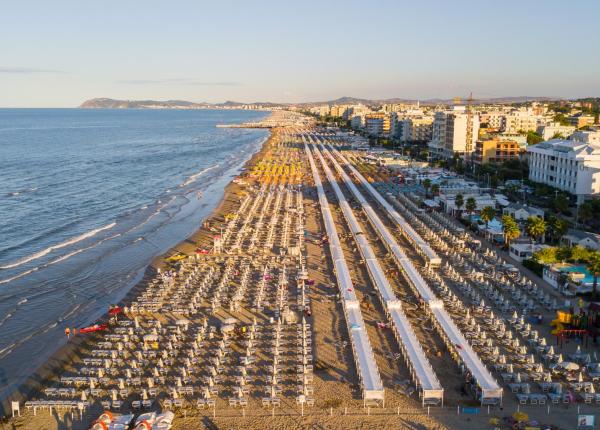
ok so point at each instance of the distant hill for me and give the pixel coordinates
(435, 101)
(106, 103)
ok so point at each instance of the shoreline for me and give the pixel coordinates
(68, 354)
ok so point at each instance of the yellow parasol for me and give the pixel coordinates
(520, 416)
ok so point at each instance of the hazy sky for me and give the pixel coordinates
(59, 53)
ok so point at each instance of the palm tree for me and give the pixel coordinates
(426, 185)
(535, 228)
(459, 201)
(487, 214)
(511, 229)
(435, 189)
(471, 205)
(593, 267)
(558, 227)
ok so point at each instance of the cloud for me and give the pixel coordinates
(183, 81)
(27, 70)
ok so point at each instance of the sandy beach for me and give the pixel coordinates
(264, 245)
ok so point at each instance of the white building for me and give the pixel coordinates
(520, 251)
(587, 136)
(396, 124)
(418, 129)
(568, 165)
(522, 120)
(548, 131)
(357, 122)
(586, 239)
(449, 133)
(521, 212)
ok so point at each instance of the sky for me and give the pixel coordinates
(60, 53)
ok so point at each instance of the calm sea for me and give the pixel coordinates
(87, 199)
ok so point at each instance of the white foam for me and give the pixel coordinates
(197, 175)
(55, 247)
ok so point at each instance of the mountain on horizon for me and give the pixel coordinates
(108, 103)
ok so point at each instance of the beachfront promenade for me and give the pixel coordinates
(317, 292)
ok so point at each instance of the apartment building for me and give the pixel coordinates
(417, 129)
(496, 150)
(587, 136)
(451, 133)
(377, 123)
(357, 122)
(580, 120)
(568, 165)
(552, 129)
(522, 120)
(396, 124)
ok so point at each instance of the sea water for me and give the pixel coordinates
(87, 199)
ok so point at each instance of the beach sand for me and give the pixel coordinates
(338, 404)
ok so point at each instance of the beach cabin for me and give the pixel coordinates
(524, 250)
(581, 238)
(494, 230)
(521, 212)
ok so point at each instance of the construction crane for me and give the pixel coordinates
(469, 145)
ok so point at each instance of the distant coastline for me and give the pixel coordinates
(108, 103)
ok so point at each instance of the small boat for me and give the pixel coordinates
(107, 421)
(154, 421)
(93, 328)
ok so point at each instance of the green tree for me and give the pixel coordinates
(561, 203)
(533, 138)
(511, 229)
(558, 228)
(562, 119)
(579, 254)
(435, 189)
(487, 214)
(426, 185)
(546, 255)
(471, 205)
(593, 266)
(459, 201)
(535, 228)
(563, 253)
(586, 212)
